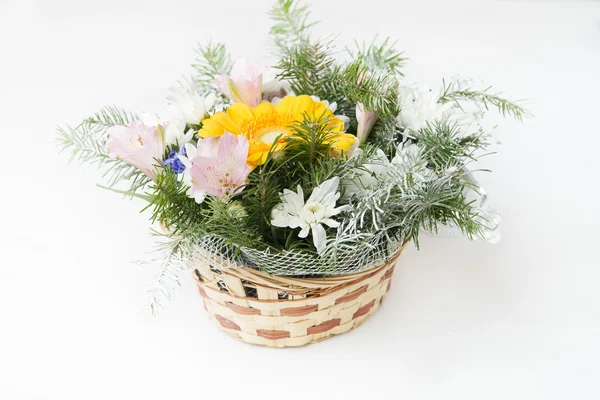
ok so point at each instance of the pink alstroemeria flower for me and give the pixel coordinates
(138, 144)
(245, 83)
(366, 119)
(219, 167)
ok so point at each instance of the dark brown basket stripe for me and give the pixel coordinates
(242, 310)
(272, 335)
(324, 327)
(202, 292)
(225, 323)
(364, 309)
(388, 274)
(299, 311)
(352, 295)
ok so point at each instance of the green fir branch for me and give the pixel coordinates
(291, 28)
(379, 56)
(446, 145)
(311, 70)
(376, 90)
(308, 69)
(171, 205)
(459, 90)
(260, 196)
(212, 60)
(110, 116)
(87, 143)
(175, 252)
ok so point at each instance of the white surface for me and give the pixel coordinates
(518, 320)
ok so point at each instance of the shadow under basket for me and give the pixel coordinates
(278, 311)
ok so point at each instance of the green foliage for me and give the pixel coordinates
(386, 135)
(379, 56)
(212, 60)
(110, 116)
(447, 146)
(292, 25)
(172, 255)
(87, 143)
(311, 141)
(400, 207)
(458, 91)
(375, 89)
(260, 196)
(442, 203)
(171, 206)
(308, 69)
(229, 220)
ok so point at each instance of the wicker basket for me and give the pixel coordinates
(278, 311)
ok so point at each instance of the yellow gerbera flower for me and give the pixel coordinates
(264, 123)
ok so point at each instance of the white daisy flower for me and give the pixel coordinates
(188, 109)
(186, 176)
(312, 214)
(419, 105)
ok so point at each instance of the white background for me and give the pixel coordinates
(465, 320)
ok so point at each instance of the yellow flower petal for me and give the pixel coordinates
(239, 112)
(264, 123)
(217, 124)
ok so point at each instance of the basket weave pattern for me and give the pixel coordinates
(278, 311)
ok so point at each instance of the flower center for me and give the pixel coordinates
(272, 134)
(313, 212)
(313, 207)
(266, 128)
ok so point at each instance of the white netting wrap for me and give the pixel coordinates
(214, 250)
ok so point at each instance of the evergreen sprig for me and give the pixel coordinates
(441, 203)
(459, 90)
(259, 198)
(379, 56)
(173, 255)
(308, 69)
(446, 145)
(171, 205)
(87, 144)
(375, 89)
(110, 116)
(311, 140)
(292, 25)
(212, 60)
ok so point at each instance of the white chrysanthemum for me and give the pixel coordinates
(188, 109)
(312, 214)
(418, 105)
(186, 176)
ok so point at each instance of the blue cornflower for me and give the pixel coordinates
(173, 161)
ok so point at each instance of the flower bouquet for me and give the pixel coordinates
(290, 191)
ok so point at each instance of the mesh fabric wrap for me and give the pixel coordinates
(218, 251)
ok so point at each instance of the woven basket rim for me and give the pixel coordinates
(287, 284)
